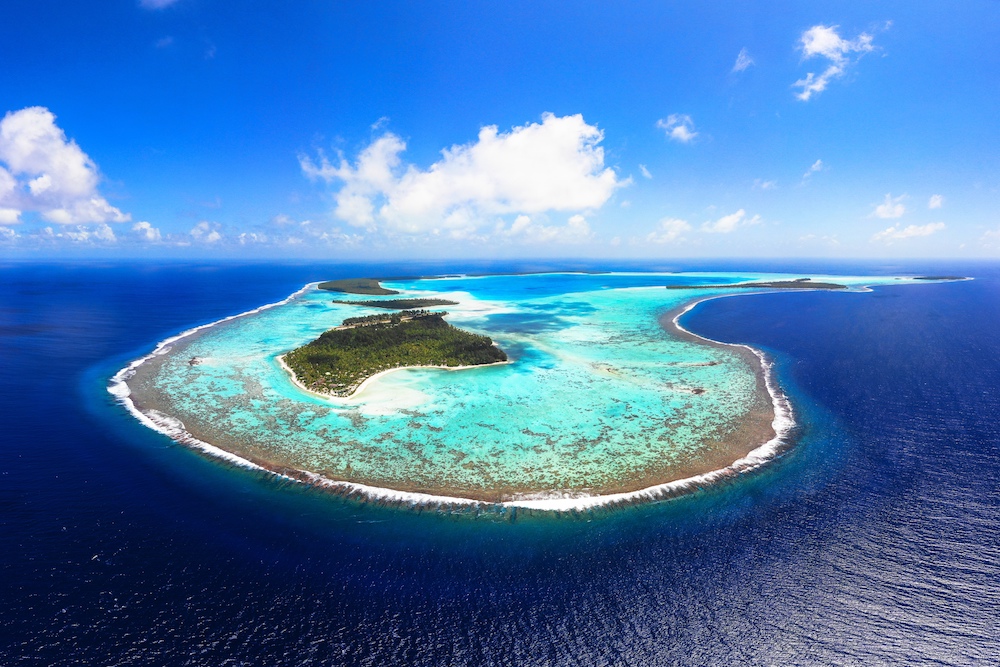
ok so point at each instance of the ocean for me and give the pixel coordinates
(874, 540)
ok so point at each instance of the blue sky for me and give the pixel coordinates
(434, 130)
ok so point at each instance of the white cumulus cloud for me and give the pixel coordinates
(894, 233)
(729, 223)
(206, 232)
(823, 42)
(936, 201)
(743, 61)
(146, 232)
(678, 126)
(84, 234)
(41, 170)
(555, 165)
(890, 208)
(668, 230)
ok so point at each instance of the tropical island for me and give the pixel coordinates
(612, 400)
(341, 359)
(356, 286)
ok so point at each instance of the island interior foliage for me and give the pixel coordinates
(344, 357)
(356, 286)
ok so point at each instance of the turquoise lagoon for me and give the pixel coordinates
(603, 399)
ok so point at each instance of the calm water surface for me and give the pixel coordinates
(875, 541)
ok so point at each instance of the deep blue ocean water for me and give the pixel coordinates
(873, 541)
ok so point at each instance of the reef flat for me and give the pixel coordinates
(605, 398)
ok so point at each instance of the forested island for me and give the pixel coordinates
(356, 286)
(341, 359)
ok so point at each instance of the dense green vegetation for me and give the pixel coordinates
(341, 359)
(801, 283)
(356, 286)
(382, 318)
(401, 304)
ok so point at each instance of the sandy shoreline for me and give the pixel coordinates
(747, 449)
(371, 378)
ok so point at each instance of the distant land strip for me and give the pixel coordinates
(370, 286)
(373, 286)
(801, 283)
(400, 304)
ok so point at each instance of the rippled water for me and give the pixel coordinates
(874, 541)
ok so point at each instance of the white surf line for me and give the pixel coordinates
(174, 428)
(167, 425)
(784, 421)
(549, 501)
(782, 425)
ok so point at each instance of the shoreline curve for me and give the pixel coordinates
(782, 425)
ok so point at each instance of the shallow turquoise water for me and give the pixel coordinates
(598, 395)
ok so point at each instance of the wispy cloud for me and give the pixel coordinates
(760, 184)
(824, 42)
(555, 165)
(813, 168)
(830, 240)
(729, 223)
(890, 208)
(669, 230)
(990, 238)
(527, 232)
(679, 127)
(936, 201)
(156, 4)
(894, 233)
(644, 171)
(743, 61)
